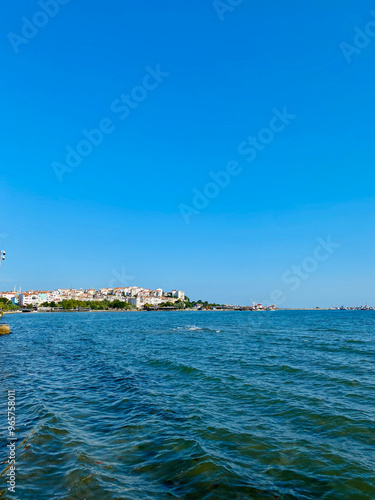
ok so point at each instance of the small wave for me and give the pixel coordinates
(187, 327)
(177, 367)
(289, 369)
(194, 328)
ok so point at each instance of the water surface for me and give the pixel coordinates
(195, 405)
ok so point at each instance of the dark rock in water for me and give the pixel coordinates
(4, 329)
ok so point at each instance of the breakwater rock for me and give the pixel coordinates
(4, 329)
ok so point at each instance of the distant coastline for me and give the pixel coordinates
(128, 298)
(185, 310)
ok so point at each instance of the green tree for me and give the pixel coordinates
(180, 304)
(166, 304)
(7, 305)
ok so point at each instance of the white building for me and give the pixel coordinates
(139, 302)
(28, 299)
(178, 294)
(8, 295)
(135, 301)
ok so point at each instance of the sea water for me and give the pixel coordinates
(195, 405)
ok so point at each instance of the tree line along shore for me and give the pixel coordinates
(7, 306)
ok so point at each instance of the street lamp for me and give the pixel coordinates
(2, 256)
(4, 329)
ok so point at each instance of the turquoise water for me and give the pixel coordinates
(195, 405)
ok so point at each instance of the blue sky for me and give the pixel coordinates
(116, 217)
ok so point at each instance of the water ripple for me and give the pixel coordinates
(204, 405)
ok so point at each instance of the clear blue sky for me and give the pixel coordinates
(117, 217)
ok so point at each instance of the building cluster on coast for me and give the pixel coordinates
(138, 297)
(134, 295)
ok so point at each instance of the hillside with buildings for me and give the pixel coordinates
(134, 295)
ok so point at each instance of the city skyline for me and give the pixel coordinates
(37, 296)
